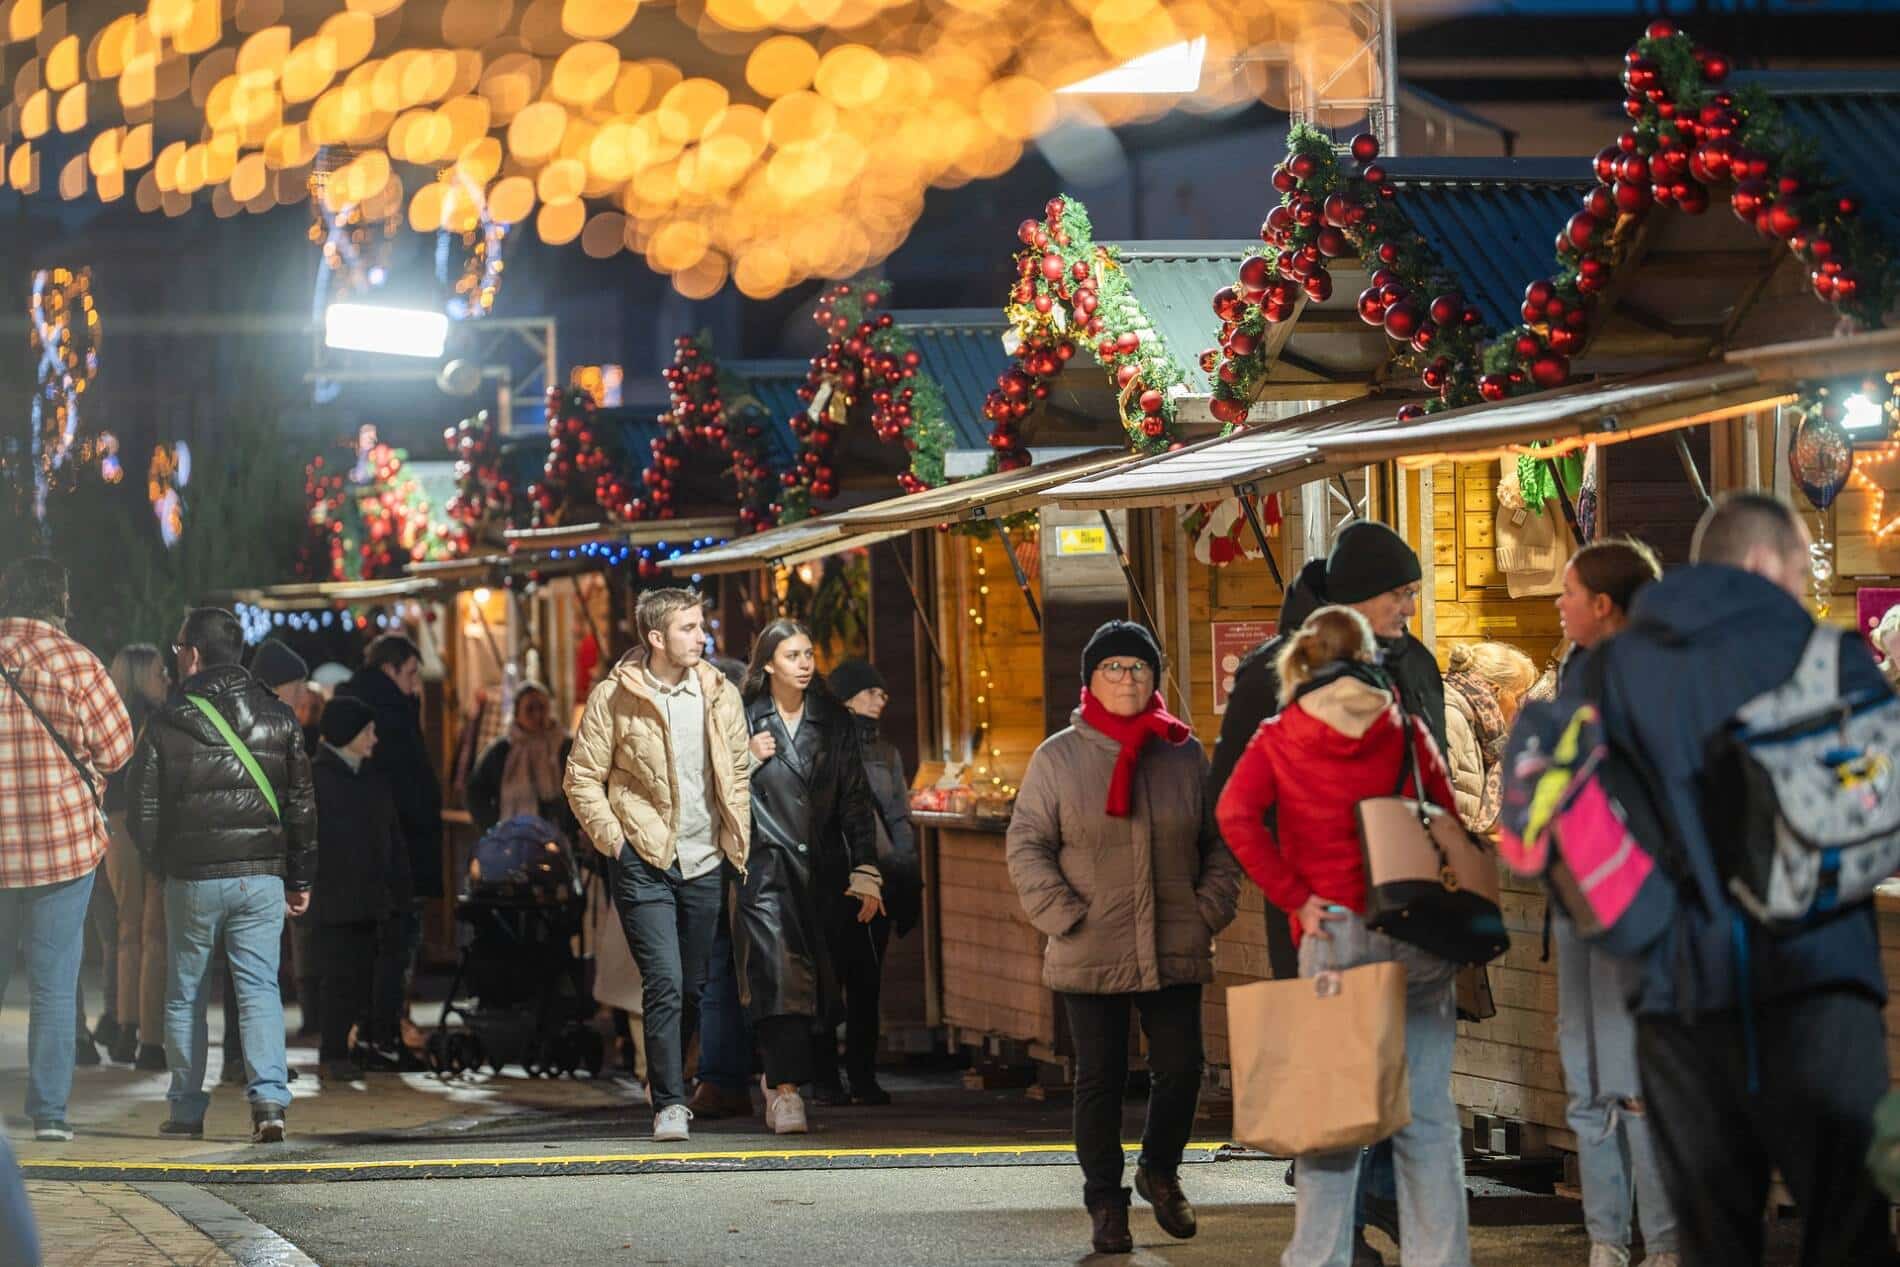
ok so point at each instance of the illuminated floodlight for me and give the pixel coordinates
(395, 331)
(1861, 414)
(1174, 69)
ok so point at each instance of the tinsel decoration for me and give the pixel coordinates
(369, 519)
(1071, 292)
(869, 372)
(63, 329)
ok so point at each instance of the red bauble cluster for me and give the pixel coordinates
(483, 493)
(1050, 286)
(571, 476)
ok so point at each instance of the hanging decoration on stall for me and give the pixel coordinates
(1220, 532)
(578, 456)
(993, 793)
(699, 417)
(1687, 136)
(63, 330)
(1821, 460)
(469, 263)
(1869, 414)
(167, 472)
(869, 371)
(1072, 292)
(486, 501)
(368, 519)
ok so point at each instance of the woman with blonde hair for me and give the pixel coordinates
(1340, 739)
(1485, 684)
(138, 983)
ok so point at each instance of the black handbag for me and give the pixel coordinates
(1429, 881)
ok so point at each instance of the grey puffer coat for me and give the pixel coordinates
(1132, 904)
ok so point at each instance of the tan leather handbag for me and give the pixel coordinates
(1429, 881)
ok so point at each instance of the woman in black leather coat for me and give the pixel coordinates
(814, 833)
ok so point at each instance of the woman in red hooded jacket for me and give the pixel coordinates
(1339, 740)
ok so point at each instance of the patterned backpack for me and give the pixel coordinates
(1799, 793)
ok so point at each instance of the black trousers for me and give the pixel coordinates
(1822, 1067)
(788, 1045)
(346, 964)
(1098, 1023)
(857, 957)
(669, 922)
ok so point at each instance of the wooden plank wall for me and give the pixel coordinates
(1472, 602)
(992, 957)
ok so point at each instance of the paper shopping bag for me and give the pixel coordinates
(1319, 1062)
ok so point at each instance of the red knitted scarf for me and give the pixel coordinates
(1133, 734)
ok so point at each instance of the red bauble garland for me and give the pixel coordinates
(484, 495)
(568, 490)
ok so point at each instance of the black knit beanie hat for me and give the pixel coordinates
(1368, 559)
(275, 664)
(852, 676)
(343, 720)
(1120, 637)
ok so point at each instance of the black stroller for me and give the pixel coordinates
(520, 909)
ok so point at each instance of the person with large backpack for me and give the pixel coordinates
(1596, 1035)
(1760, 1040)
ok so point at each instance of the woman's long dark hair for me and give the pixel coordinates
(757, 683)
(1616, 569)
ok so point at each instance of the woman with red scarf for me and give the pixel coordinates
(1130, 889)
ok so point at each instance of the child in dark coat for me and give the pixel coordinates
(362, 869)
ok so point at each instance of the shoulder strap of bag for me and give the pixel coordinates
(59, 740)
(244, 756)
(1408, 764)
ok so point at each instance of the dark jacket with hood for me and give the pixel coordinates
(360, 848)
(193, 809)
(1256, 693)
(1702, 642)
(813, 822)
(896, 836)
(402, 756)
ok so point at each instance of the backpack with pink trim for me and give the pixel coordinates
(1579, 811)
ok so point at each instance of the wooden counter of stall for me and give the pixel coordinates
(1663, 442)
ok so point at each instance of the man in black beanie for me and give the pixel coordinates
(1373, 571)
(288, 676)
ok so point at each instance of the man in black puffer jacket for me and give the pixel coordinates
(221, 805)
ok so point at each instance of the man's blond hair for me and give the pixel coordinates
(656, 607)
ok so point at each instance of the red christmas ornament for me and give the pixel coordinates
(1494, 386)
(1410, 411)
(1319, 286)
(1632, 197)
(1365, 147)
(1550, 369)
(1605, 162)
(1371, 306)
(1284, 181)
(1448, 308)
(1402, 320)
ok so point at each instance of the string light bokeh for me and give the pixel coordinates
(756, 143)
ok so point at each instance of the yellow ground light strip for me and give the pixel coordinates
(598, 1159)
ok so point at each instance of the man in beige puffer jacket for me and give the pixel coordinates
(660, 779)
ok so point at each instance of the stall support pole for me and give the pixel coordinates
(488, 636)
(1689, 467)
(580, 601)
(1134, 587)
(917, 601)
(1259, 532)
(1565, 504)
(1022, 578)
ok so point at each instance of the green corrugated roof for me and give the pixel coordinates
(1175, 284)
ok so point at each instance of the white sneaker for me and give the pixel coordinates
(1602, 1255)
(669, 1126)
(785, 1113)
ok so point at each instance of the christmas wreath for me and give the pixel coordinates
(1070, 291)
(869, 370)
(1687, 135)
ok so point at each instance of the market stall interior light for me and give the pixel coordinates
(1174, 69)
(396, 331)
(1862, 414)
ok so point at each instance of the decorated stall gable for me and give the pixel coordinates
(1687, 135)
(869, 370)
(369, 519)
(486, 500)
(1071, 291)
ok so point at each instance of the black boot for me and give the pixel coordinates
(125, 1048)
(267, 1124)
(151, 1058)
(1173, 1211)
(1110, 1215)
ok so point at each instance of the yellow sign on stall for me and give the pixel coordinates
(1074, 541)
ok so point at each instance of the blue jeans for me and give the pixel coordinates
(48, 923)
(19, 1243)
(725, 1036)
(1428, 1154)
(249, 913)
(1596, 1039)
